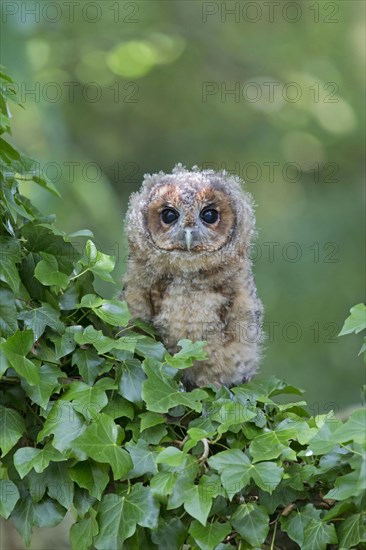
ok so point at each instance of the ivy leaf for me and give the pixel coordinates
(119, 407)
(8, 313)
(170, 534)
(294, 524)
(356, 322)
(232, 414)
(188, 353)
(349, 485)
(89, 400)
(9, 496)
(97, 262)
(64, 423)
(210, 536)
(41, 393)
(197, 502)
(130, 386)
(323, 442)
(150, 419)
(59, 485)
(120, 514)
(15, 349)
(251, 521)
(90, 476)
(10, 256)
(82, 533)
(113, 312)
(11, 428)
(27, 458)
(142, 459)
(23, 517)
(87, 362)
(64, 343)
(162, 484)
(236, 470)
(47, 272)
(161, 393)
(352, 531)
(48, 513)
(353, 430)
(171, 456)
(318, 535)
(38, 319)
(100, 441)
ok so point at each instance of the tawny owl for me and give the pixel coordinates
(189, 271)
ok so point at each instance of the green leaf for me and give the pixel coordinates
(210, 536)
(89, 400)
(101, 441)
(41, 393)
(171, 456)
(161, 393)
(349, 485)
(82, 533)
(170, 534)
(232, 414)
(47, 272)
(97, 262)
(11, 428)
(9, 496)
(119, 515)
(113, 312)
(323, 441)
(64, 343)
(142, 458)
(188, 353)
(353, 430)
(64, 423)
(236, 470)
(119, 407)
(10, 256)
(197, 502)
(15, 349)
(162, 484)
(295, 523)
(356, 321)
(8, 313)
(150, 419)
(130, 386)
(90, 476)
(40, 318)
(59, 485)
(23, 518)
(27, 458)
(251, 521)
(267, 446)
(48, 513)
(319, 535)
(352, 531)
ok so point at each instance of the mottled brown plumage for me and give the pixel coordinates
(189, 273)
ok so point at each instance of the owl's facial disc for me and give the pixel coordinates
(199, 221)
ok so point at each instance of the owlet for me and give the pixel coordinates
(189, 271)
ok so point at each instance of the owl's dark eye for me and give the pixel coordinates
(169, 215)
(209, 216)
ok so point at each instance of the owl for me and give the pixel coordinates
(189, 272)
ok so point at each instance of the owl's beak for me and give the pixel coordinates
(188, 237)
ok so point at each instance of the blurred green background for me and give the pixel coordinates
(269, 90)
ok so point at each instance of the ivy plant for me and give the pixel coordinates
(95, 421)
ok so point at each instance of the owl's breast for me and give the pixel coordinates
(186, 311)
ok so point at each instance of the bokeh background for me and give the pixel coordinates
(269, 90)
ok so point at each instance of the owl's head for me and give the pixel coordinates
(189, 215)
